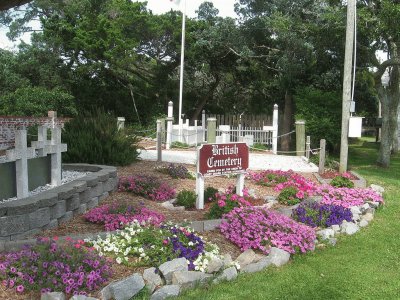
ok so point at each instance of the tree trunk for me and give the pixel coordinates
(395, 97)
(207, 98)
(287, 121)
(386, 134)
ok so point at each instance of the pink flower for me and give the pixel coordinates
(165, 242)
(20, 288)
(221, 203)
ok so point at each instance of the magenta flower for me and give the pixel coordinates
(20, 288)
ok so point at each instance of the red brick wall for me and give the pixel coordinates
(8, 125)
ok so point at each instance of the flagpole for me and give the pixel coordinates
(181, 70)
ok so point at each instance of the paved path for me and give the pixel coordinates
(257, 161)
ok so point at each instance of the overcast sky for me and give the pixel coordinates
(225, 8)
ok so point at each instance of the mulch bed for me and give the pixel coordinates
(332, 174)
(79, 225)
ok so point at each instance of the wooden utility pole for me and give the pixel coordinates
(346, 96)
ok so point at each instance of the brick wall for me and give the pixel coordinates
(8, 125)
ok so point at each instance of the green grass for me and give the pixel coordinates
(363, 266)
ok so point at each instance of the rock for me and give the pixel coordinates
(356, 217)
(377, 188)
(189, 279)
(215, 264)
(326, 233)
(165, 292)
(270, 199)
(320, 246)
(363, 223)
(167, 205)
(349, 228)
(228, 275)
(126, 288)
(278, 256)
(252, 193)
(258, 257)
(169, 267)
(368, 217)
(227, 260)
(287, 211)
(332, 241)
(355, 210)
(335, 228)
(364, 207)
(370, 211)
(152, 279)
(82, 297)
(374, 204)
(177, 208)
(258, 266)
(53, 296)
(246, 258)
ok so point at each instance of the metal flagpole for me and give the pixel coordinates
(181, 70)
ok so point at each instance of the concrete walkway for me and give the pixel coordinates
(257, 161)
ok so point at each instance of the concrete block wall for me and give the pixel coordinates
(25, 217)
(9, 124)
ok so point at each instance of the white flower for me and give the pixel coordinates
(119, 260)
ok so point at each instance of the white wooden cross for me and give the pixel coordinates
(55, 148)
(20, 154)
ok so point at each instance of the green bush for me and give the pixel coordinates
(37, 101)
(93, 137)
(340, 181)
(186, 198)
(322, 113)
(210, 194)
(288, 196)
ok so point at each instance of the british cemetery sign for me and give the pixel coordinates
(220, 159)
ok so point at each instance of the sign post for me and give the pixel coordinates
(221, 159)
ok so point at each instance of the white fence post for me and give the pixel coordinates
(203, 124)
(275, 129)
(308, 146)
(120, 123)
(169, 124)
(195, 128)
(159, 141)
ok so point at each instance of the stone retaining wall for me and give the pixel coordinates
(26, 217)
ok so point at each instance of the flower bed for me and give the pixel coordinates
(144, 245)
(147, 186)
(321, 215)
(176, 171)
(347, 197)
(261, 228)
(116, 215)
(47, 266)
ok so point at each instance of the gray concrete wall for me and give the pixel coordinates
(26, 217)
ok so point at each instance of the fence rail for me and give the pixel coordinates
(244, 120)
(259, 136)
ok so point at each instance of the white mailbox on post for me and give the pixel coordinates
(355, 126)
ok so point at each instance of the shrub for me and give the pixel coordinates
(321, 215)
(151, 246)
(116, 215)
(210, 194)
(149, 187)
(259, 147)
(176, 171)
(227, 201)
(260, 228)
(341, 181)
(289, 196)
(179, 145)
(37, 101)
(347, 197)
(72, 268)
(93, 137)
(186, 198)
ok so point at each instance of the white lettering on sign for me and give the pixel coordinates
(224, 150)
(212, 162)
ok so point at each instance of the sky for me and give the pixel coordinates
(225, 7)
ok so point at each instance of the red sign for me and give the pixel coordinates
(220, 159)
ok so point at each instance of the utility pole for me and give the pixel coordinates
(346, 96)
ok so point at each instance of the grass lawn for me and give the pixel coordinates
(363, 266)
